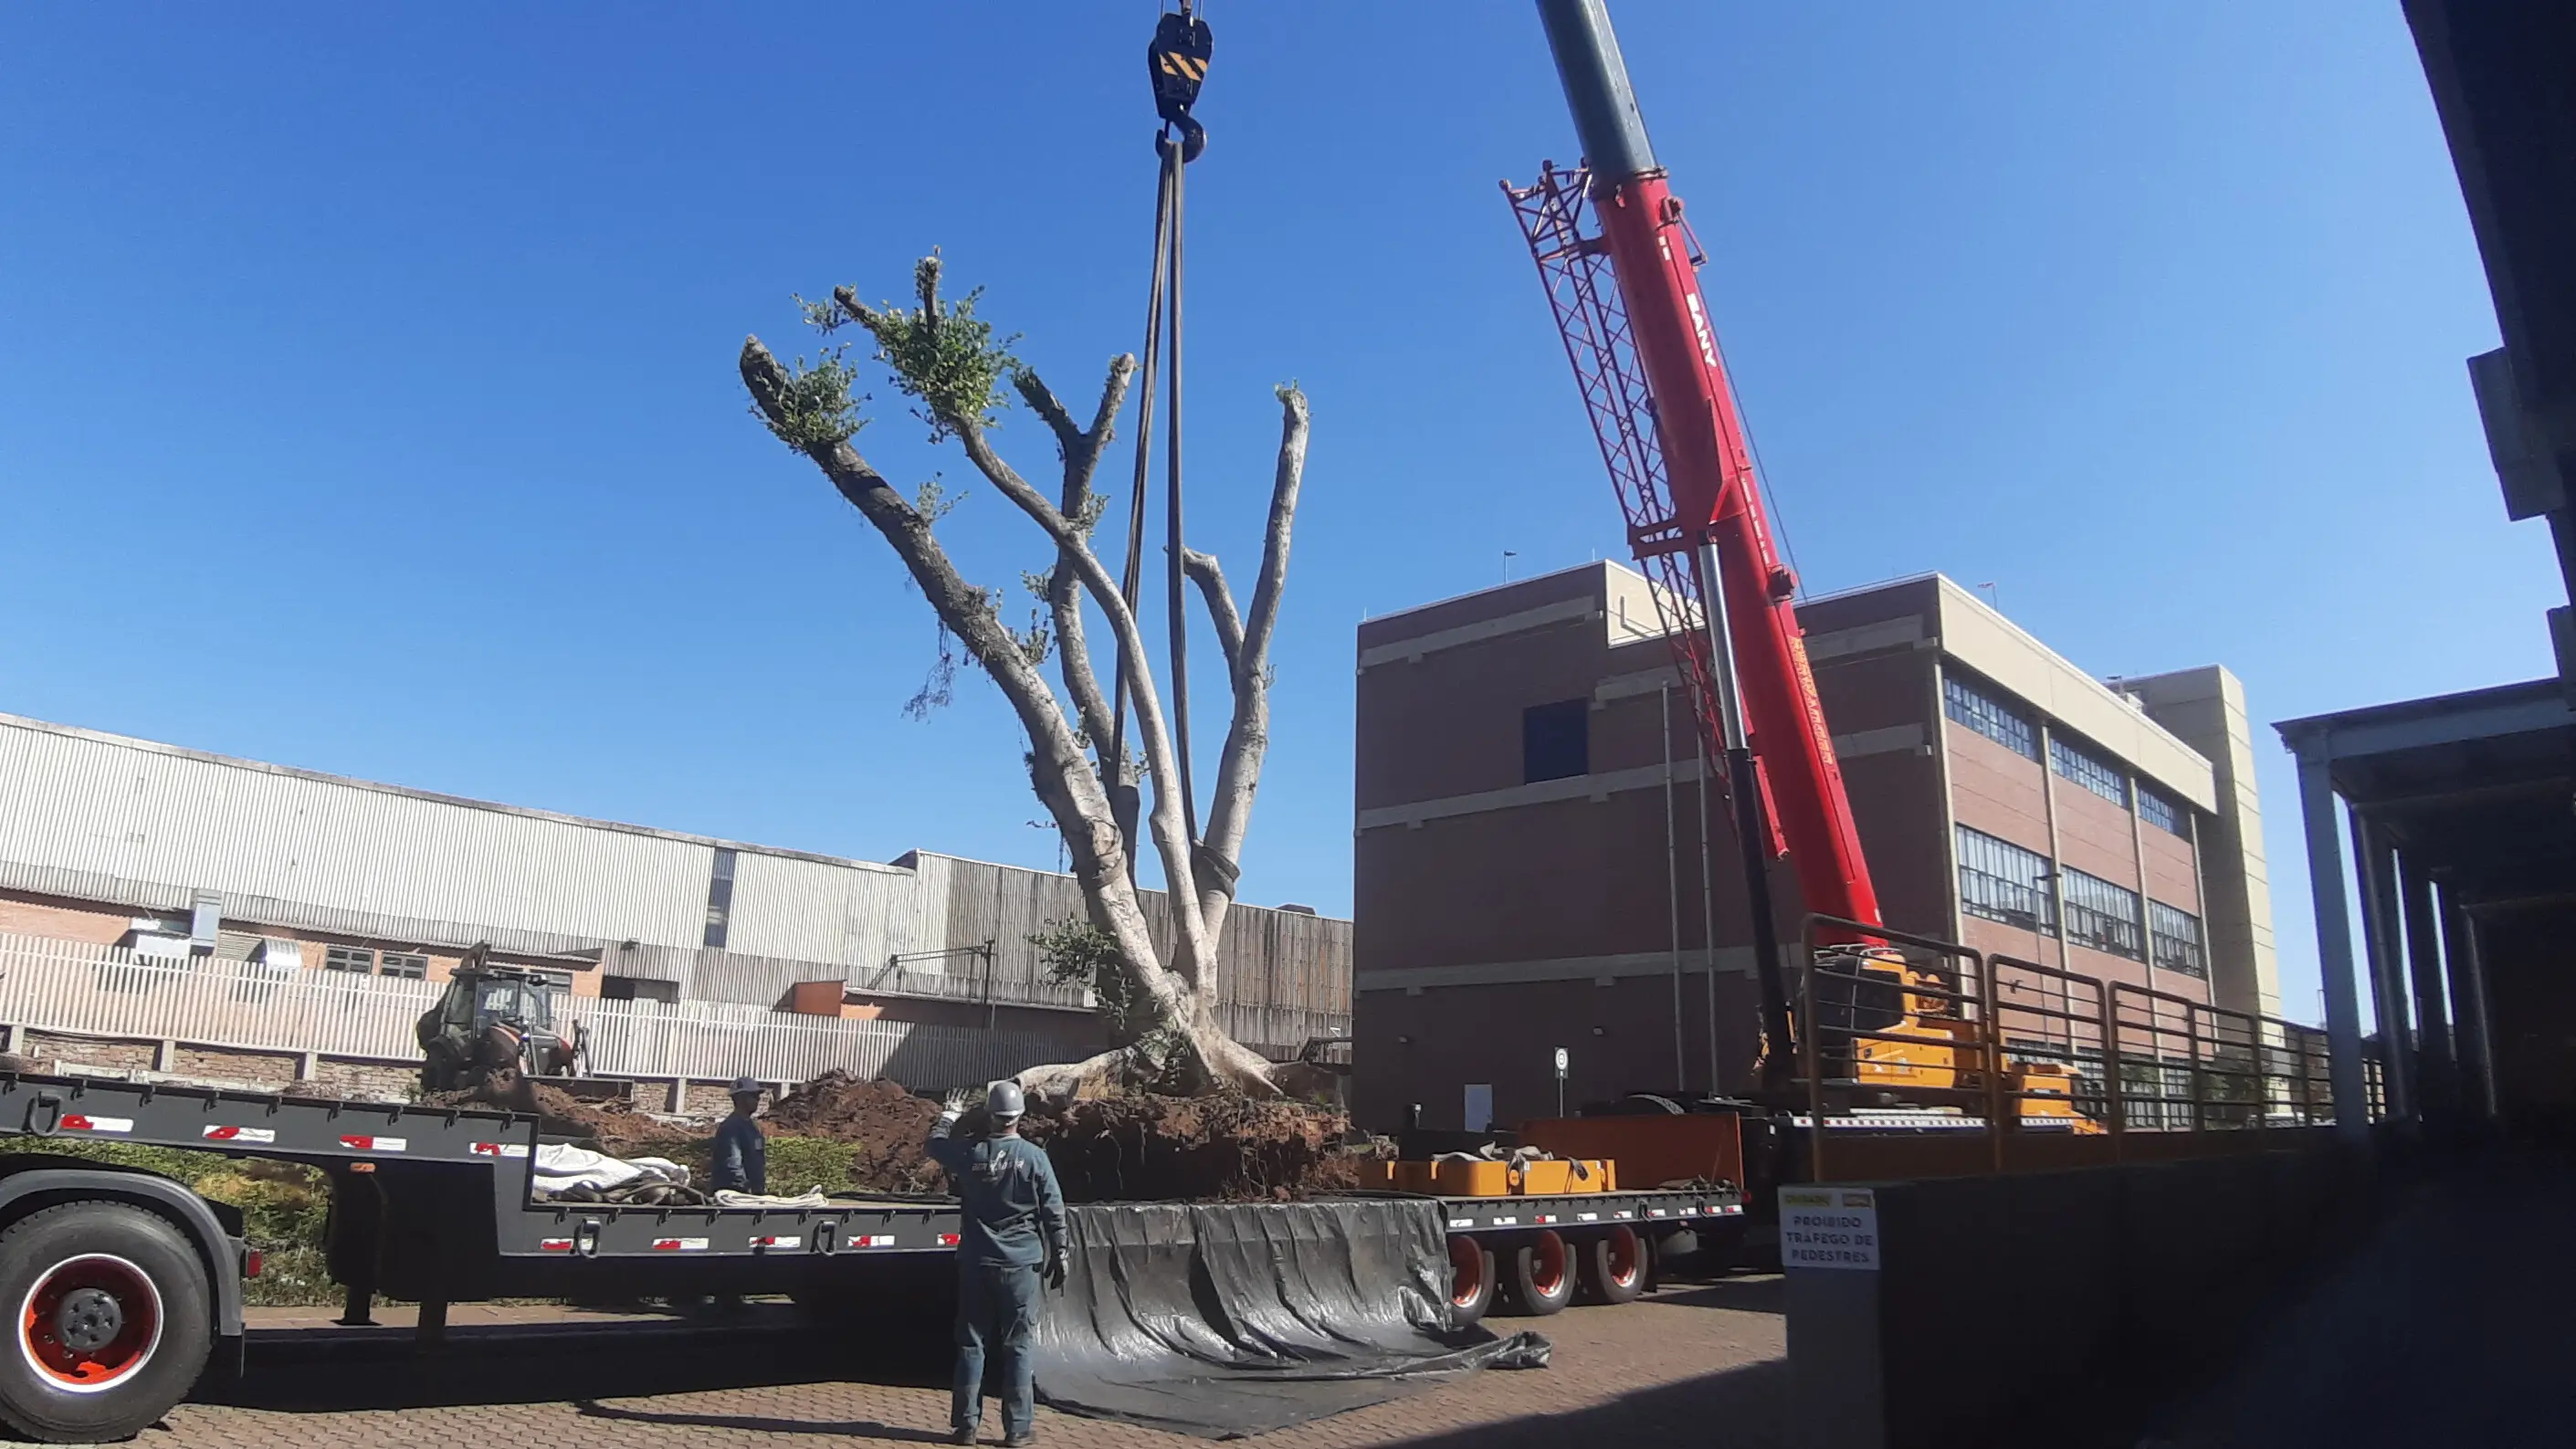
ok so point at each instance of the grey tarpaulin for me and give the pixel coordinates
(1226, 1320)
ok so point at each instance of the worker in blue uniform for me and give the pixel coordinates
(742, 1150)
(1011, 1238)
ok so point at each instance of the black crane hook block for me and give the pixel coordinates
(1178, 59)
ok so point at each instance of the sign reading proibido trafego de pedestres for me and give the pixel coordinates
(1829, 1227)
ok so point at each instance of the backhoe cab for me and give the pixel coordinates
(493, 1033)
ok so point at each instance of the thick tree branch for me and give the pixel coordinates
(1286, 479)
(1248, 739)
(1209, 575)
(1082, 450)
(1193, 953)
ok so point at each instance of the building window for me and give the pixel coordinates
(1988, 715)
(2161, 813)
(1556, 741)
(2088, 770)
(2102, 915)
(720, 897)
(637, 988)
(2000, 881)
(410, 965)
(349, 958)
(2176, 938)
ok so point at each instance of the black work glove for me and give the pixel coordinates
(1053, 1272)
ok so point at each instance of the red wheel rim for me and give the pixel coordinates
(1623, 1255)
(90, 1323)
(1547, 1265)
(1466, 1273)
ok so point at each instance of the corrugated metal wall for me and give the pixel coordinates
(146, 825)
(102, 991)
(127, 813)
(1284, 976)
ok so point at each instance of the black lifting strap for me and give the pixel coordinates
(1178, 60)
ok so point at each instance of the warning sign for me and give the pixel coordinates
(1829, 1227)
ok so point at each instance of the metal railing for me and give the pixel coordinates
(2185, 1065)
(2105, 1057)
(1852, 1010)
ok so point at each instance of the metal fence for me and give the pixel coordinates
(1920, 1018)
(69, 986)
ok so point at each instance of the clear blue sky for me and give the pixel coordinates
(367, 397)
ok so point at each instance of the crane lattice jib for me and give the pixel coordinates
(1669, 519)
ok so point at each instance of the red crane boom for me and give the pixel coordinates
(1620, 271)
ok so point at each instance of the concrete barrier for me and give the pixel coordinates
(2007, 1307)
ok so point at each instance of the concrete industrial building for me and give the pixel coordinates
(1524, 756)
(112, 841)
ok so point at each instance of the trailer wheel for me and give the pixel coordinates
(1542, 1280)
(113, 1324)
(1614, 1266)
(1471, 1281)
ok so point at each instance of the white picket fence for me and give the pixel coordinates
(68, 986)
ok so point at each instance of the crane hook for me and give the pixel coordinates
(1178, 61)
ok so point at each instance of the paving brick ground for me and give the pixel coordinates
(1695, 1365)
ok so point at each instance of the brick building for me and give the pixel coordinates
(1537, 858)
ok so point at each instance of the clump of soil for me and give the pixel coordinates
(616, 1127)
(1128, 1148)
(1203, 1149)
(887, 1127)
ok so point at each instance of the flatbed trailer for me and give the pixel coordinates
(127, 1285)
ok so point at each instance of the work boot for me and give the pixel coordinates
(1021, 1440)
(961, 1436)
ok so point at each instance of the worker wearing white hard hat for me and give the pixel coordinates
(1011, 1237)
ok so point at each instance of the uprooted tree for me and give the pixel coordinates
(949, 361)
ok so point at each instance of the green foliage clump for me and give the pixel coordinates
(1077, 953)
(941, 352)
(818, 409)
(285, 1209)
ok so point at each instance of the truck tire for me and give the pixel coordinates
(1471, 1281)
(113, 1322)
(1614, 1266)
(1542, 1275)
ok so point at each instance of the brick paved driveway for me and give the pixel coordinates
(1700, 1365)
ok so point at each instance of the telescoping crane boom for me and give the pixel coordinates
(1620, 268)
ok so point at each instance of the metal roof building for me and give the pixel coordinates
(236, 852)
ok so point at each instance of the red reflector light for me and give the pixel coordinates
(250, 1264)
(948, 1240)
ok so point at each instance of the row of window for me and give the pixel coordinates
(410, 965)
(2000, 881)
(1987, 713)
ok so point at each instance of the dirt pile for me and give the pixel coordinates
(887, 1128)
(1205, 1149)
(618, 1129)
(1138, 1148)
